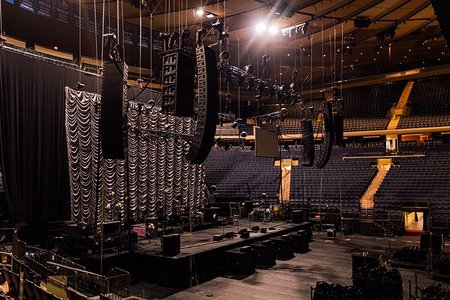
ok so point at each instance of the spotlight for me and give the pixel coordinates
(199, 12)
(248, 69)
(210, 15)
(274, 29)
(243, 134)
(224, 55)
(261, 27)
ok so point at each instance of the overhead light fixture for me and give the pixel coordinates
(210, 15)
(261, 27)
(199, 12)
(274, 29)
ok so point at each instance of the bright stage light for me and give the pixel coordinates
(274, 29)
(261, 27)
(199, 12)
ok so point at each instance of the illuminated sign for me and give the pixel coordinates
(403, 73)
(300, 28)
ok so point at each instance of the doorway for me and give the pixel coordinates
(414, 221)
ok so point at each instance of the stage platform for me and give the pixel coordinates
(202, 241)
(200, 258)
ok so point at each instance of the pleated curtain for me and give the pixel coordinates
(147, 183)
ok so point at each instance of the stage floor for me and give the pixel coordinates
(192, 243)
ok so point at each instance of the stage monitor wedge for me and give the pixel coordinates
(114, 94)
(266, 143)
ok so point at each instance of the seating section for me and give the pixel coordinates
(421, 181)
(339, 185)
(241, 175)
(429, 102)
(365, 107)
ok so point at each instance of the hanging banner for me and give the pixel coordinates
(27, 5)
(128, 34)
(92, 26)
(44, 8)
(62, 11)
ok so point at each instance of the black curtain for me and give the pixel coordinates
(33, 150)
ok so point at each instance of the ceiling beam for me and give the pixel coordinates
(342, 20)
(405, 18)
(375, 19)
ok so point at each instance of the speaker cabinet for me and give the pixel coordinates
(178, 83)
(206, 110)
(308, 142)
(114, 93)
(297, 216)
(240, 262)
(171, 244)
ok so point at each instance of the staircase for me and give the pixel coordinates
(366, 219)
(367, 200)
(400, 109)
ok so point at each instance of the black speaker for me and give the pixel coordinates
(245, 234)
(178, 83)
(297, 216)
(308, 142)
(265, 254)
(442, 11)
(338, 122)
(206, 110)
(240, 262)
(114, 93)
(437, 243)
(425, 241)
(171, 244)
(328, 134)
(362, 22)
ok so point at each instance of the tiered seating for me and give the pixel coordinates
(340, 184)
(365, 107)
(420, 181)
(430, 103)
(239, 174)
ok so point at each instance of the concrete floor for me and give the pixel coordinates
(328, 260)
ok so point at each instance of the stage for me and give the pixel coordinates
(200, 258)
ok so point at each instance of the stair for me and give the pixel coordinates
(367, 200)
(400, 109)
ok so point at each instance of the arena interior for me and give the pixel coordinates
(224, 149)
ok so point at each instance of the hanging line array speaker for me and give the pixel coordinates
(114, 94)
(206, 110)
(178, 86)
(308, 142)
(442, 12)
(328, 134)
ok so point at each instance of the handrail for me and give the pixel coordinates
(74, 269)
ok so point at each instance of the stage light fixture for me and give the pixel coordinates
(248, 69)
(274, 29)
(199, 12)
(261, 27)
(224, 55)
(243, 134)
(210, 15)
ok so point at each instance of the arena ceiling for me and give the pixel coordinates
(399, 30)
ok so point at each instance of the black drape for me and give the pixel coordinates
(33, 150)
